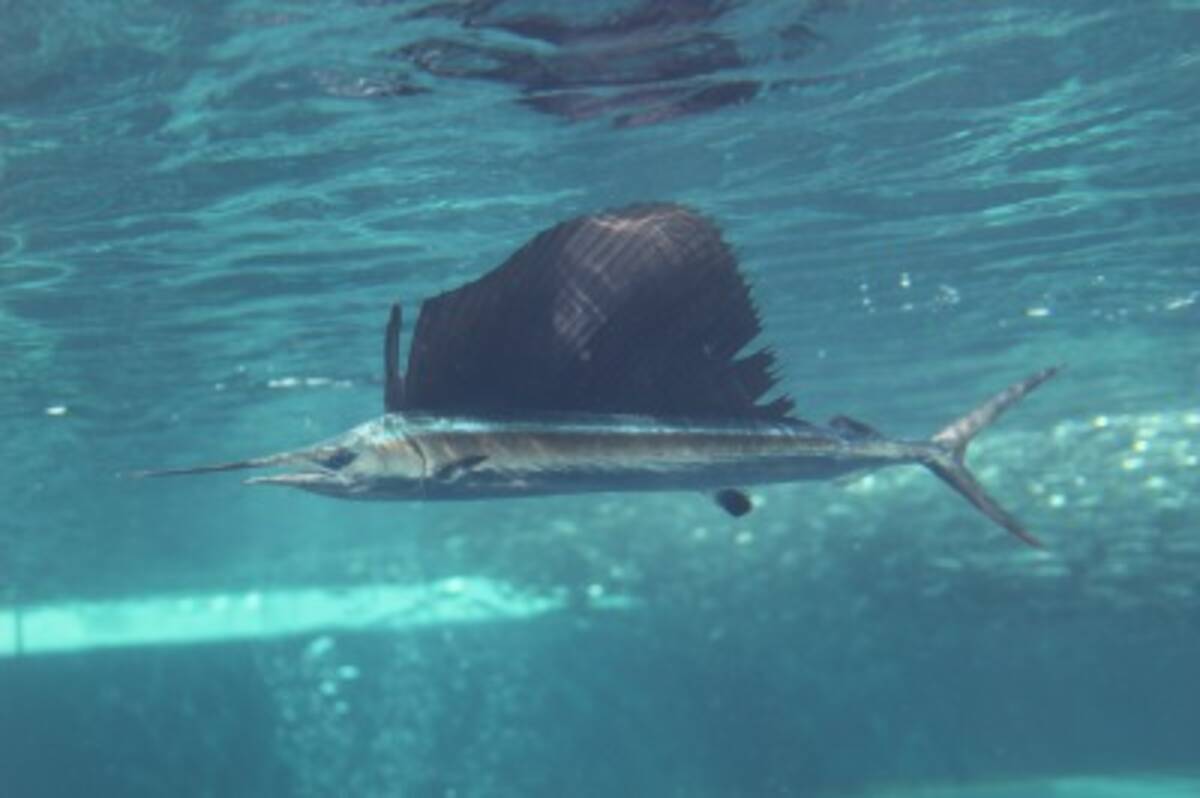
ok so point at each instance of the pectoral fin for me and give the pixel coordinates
(458, 468)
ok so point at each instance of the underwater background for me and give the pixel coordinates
(206, 210)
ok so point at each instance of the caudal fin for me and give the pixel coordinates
(946, 455)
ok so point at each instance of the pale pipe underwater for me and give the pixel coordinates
(604, 355)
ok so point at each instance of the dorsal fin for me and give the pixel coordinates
(640, 310)
(393, 383)
(853, 428)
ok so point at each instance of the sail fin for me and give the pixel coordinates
(393, 383)
(640, 310)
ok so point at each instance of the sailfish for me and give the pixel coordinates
(607, 354)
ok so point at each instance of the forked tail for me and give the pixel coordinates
(946, 455)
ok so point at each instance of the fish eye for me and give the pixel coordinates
(337, 459)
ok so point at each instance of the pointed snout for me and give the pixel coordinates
(369, 461)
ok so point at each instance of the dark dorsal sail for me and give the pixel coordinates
(639, 310)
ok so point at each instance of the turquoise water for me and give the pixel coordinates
(205, 213)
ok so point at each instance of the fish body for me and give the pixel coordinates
(428, 457)
(606, 355)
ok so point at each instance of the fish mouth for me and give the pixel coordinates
(318, 465)
(314, 475)
(300, 479)
(321, 470)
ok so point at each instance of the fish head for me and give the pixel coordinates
(375, 460)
